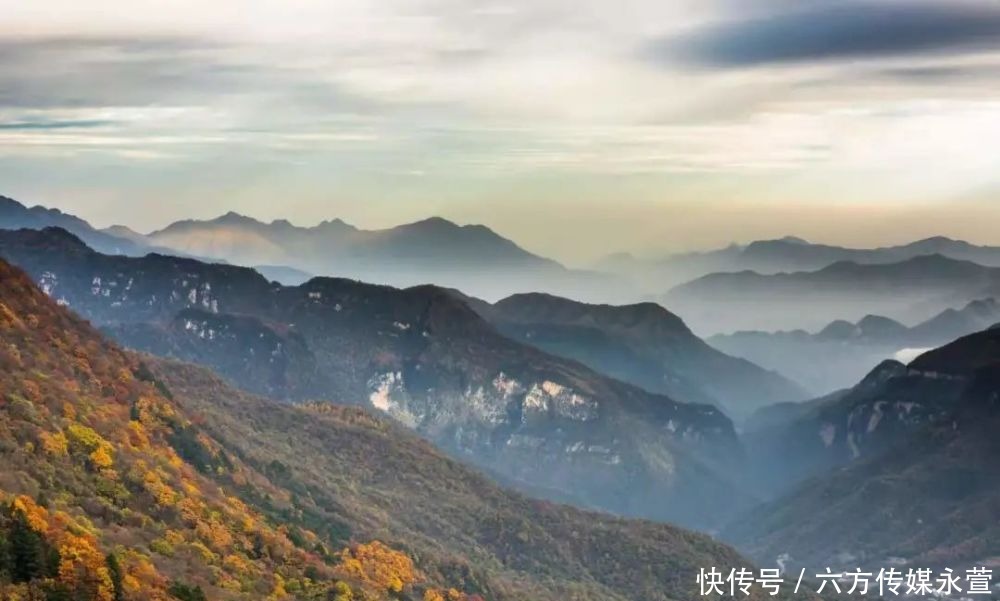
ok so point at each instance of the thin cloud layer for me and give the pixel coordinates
(382, 111)
(840, 30)
(48, 124)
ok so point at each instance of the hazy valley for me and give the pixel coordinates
(356, 300)
(320, 403)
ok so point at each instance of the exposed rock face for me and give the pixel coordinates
(419, 355)
(104, 452)
(796, 442)
(643, 344)
(916, 481)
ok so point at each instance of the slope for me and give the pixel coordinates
(151, 479)
(110, 489)
(422, 357)
(645, 345)
(346, 466)
(929, 496)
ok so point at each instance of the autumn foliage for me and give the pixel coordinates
(110, 491)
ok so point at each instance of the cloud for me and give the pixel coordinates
(81, 71)
(938, 74)
(318, 101)
(121, 94)
(47, 124)
(840, 30)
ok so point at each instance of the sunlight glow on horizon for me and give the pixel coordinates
(576, 130)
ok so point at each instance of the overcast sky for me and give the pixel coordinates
(575, 127)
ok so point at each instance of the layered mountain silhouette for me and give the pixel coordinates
(643, 344)
(420, 355)
(435, 250)
(842, 352)
(899, 469)
(431, 251)
(115, 240)
(133, 477)
(789, 254)
(14, 215)
(909, 291)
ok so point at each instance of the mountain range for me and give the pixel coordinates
(908, 291)
(14, 215)
(900, 469)
(788, 254)
(130, 477)
(422, 356)
(435, 250)
(432, 251)
(210, 461)
(842, 352)
(643, 344)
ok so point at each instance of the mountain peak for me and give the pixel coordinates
(784, 241)
(9, 203)
(838, 329)
(884, 371)
(336, 222)
(125, 233)
(937, 244)
(794, 240)
(433, 223)
(232, 217)
(880, 325)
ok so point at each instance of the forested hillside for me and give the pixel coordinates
(136, 479)
(110, 491)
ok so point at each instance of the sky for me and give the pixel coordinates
(575, 127)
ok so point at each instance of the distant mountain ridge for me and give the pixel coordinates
(279, 241)
(430, 251)
(473, 258)
(911, 290)
(791, 254)
(14, 215)
(115, 240)
(419, 355)
(842, 352)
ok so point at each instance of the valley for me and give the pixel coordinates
(397, 396)
(423, 300)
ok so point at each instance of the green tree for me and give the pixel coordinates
(186, 592)
(58, 592)
(115, 571)
(29, 555)
(4, 555)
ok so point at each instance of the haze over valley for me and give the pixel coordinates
(481, 300)
(617, 408)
